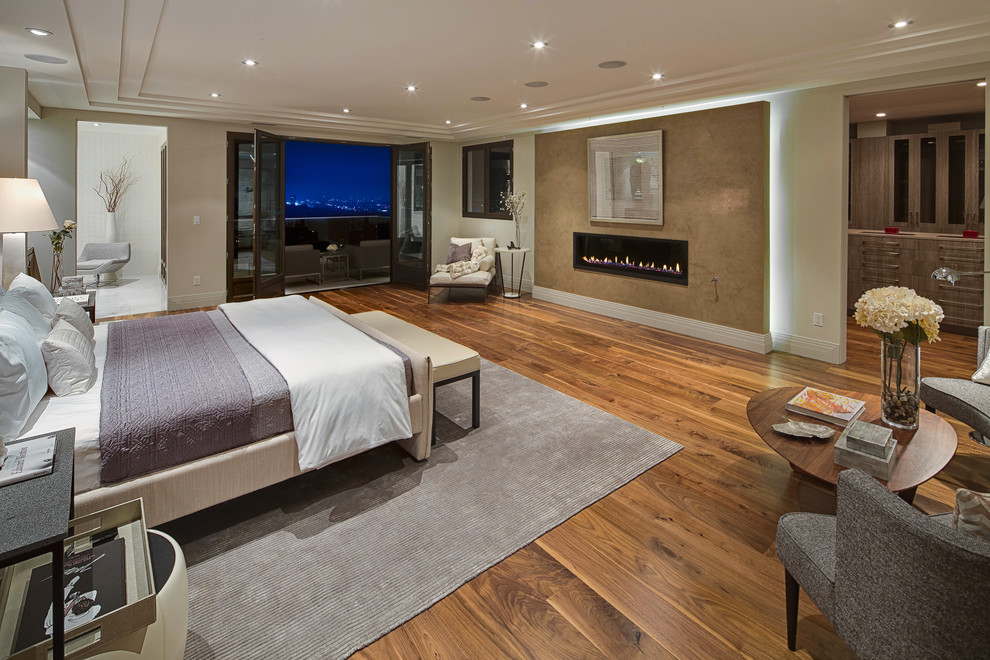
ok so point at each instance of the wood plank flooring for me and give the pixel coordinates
(679, 563)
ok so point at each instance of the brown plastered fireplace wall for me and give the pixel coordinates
(716, 171)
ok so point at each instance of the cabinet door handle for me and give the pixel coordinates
(942, 301)
(867, 264)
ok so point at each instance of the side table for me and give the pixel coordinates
(89, 304)
(334, 265)
(34, 519)
(512, 252)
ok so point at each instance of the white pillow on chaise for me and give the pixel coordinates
(35, 293)
(23, 378)
(70, 360)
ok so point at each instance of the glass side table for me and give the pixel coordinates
(512, 252)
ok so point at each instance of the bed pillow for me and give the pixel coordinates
(76, 316)
(457, 253)
(35, 293)
(14, 301)
(23, 380)
(70, 360)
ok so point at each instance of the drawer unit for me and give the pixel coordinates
(878, 260)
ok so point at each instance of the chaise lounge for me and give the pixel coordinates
(102, 258)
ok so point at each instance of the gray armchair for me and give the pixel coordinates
(102, 258)
(961, 398)
(894, 582)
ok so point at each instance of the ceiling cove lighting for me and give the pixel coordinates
(215, 95)
(38, 32)
(249, 62)
(900, 24)
(539, 45)
(881, 114)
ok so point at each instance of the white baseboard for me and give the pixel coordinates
(191, 301)
(720, 334)
(512, 283)
(826, 351)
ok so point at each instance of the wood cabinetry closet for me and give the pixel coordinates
(931, 187)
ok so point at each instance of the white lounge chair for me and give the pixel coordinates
(102, 258)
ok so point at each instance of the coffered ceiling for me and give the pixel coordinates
(317, 57)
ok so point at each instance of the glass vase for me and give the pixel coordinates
(56, 271)
(900, 376)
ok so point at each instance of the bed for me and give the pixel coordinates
(304, 346)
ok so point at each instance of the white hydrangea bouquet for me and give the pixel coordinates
(902, 319)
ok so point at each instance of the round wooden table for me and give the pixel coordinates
(921, 453)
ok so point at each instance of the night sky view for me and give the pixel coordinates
(326, 179)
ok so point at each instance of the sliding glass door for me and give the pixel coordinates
(269, 216)
(411, 214)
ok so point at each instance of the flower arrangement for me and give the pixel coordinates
(898, 314)
(114, 183)
(57, 238)
(514, 203)
(902, 319)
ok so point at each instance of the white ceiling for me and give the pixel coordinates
(164, 57)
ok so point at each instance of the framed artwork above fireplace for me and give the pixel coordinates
(625, 178)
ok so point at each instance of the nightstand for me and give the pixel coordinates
(35, 518)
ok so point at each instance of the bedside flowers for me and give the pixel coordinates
(902, 319)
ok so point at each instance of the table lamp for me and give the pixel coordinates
(23, 208)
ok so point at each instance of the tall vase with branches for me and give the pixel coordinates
(514, 203)
(114, 182)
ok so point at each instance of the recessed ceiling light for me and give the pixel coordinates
(46, 59)
(539, 44)
(215, 95)
(481, 98)
(250, 62)
(446, 121)
(657, 76)
(612, 64)
(900, 24)
(523, 106)
(96, 123)
(346, 110)
(881, 114)
(537, 83)
(410, 88)
(38, 32)
(982, 84)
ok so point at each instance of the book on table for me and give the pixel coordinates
(28, 458)
(826, 406)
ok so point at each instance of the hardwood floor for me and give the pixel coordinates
(679, 563)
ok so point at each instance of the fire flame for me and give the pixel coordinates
(628, 263)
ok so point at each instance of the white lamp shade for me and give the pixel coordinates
(23, 207)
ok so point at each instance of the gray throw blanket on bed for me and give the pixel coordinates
(178, 388)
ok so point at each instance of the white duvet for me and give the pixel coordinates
(347, 391)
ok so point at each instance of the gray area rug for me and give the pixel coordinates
(325, 564)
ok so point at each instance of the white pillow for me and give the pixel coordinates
(76, 316)
(70, 360)
(23, 380)
(982, 374)
(35, 293)
(14, 301)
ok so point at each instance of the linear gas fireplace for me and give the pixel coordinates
(632, 256)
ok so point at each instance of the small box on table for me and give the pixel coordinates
(880, 467)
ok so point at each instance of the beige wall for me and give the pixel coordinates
(524, 180)
(715, 183)
(13, 122)
(196, 187)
